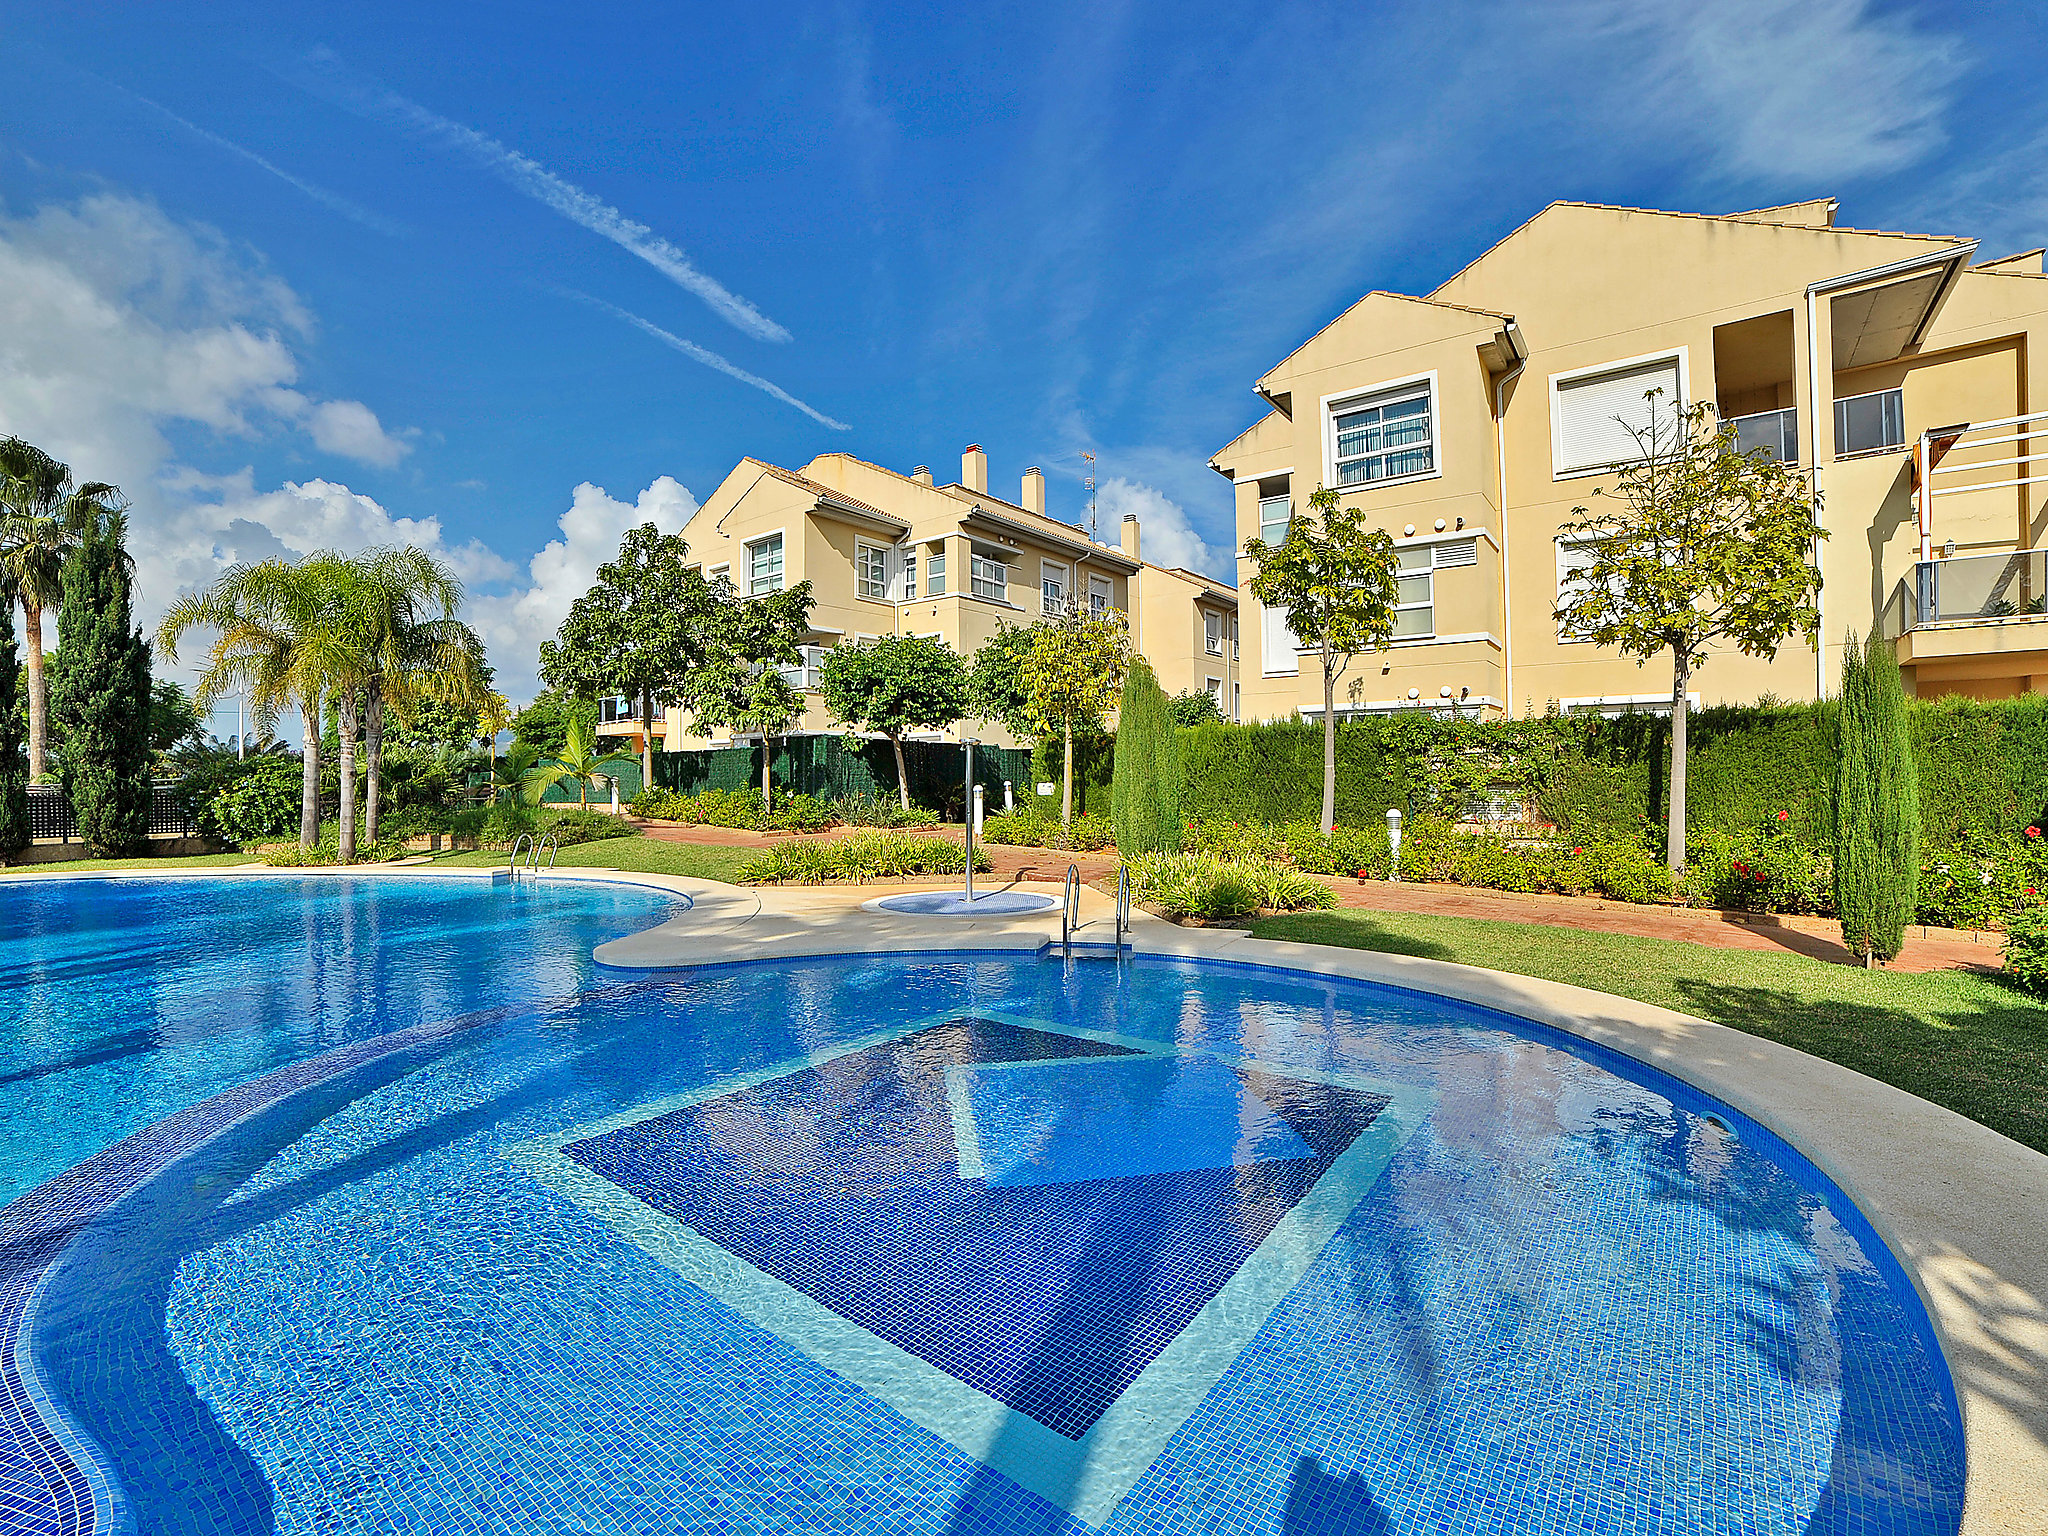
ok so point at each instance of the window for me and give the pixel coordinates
(910, 573)
(1237, 701)
(871, 570)
(1573, 561)
(935, 574)
(1384, 437)
(1233, 637)
(1099, 591)
(1274, 512)
(1213, 686)
(720, 573)
(803, 675)
(612, 710)
(1212, 632)
(988, 578)
(1278, 649)
(1867, 422)
(1052, 586)
(1597, 415)
(764, 565)
(1415, 593)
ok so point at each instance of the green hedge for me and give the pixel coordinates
(1983, 770)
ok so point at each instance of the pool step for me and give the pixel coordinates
(1098, 949)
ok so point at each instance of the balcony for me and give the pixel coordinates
(1776, 432)
(1971, 589)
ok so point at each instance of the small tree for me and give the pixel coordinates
(995, 682)
(1876, 804)
(578, 763)
(1335, 578)
(737, 683)
(13, 744)
(769, 708)
(641, 630)
(892, 685)
(1701, 545)
(1144, 789)
(493, 715)
(1197, 706)
(1075, 668)
(102, 694)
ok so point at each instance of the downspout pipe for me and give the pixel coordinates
(1955, 258)
(1512, 346)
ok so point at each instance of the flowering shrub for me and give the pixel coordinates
(1983, 879)
(867, 855)
(1203, 885)
(1768, 870)
(2026, 947)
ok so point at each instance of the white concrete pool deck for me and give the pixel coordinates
(1964, 1209)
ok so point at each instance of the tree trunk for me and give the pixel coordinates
(1329, 750)
(346, 708)
(38, 688)
(902, 775)
(767, 784)
(309, 798)
(1067, 788)
(1674, 833)
(647, 739)
(373, 751)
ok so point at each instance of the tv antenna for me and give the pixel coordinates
(1088, 484)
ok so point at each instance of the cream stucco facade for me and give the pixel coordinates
(1473, 422)
(888, 553)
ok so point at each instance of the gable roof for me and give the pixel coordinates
(1497, 316)
(1753, 219)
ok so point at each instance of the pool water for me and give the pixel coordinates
(127, 999)
(973, 1245)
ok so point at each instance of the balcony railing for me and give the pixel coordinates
(1969, 589)
(1775, 431)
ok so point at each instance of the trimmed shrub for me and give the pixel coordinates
(99, 697)
(1876, 804)
(1030, 829)
(1202, 885)
(866, 855)
(1144, 796)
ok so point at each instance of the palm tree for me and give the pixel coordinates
(283, 636)
(576, 764)
(508, 773)
(43, 517)
(417, 650)
(493, 714)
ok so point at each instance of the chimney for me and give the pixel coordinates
(974, 469)
(1129, 535)
(1034, 491)
(922, 474)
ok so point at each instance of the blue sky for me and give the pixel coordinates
(483, 276)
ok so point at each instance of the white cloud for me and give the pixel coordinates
(351, 429)
(1165, 536)
(1775, 90)
(514, 624)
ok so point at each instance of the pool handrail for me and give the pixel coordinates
(552, 846)
(1123, 903)
(512, 864)
(1070, 910)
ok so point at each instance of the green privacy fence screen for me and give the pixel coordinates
(827, 768)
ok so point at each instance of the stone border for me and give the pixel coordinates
(1963, 1209)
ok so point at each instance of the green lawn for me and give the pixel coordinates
(1964, 1040)
(190, 861)
(634, 855)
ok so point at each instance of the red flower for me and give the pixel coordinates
(1784, 815)
(2030, 890)
(2033, 831)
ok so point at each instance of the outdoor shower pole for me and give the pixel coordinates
(967, 814)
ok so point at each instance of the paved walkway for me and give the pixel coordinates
(1929, 949)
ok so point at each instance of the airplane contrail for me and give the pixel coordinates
(526, 175)
(708, 358)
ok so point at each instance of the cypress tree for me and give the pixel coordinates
(101, 695)
(1895, 802)
(13, 744)
(1876, 804)
(1855, 834)
(1144, 791)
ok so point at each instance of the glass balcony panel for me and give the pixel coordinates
(1872, 421)
(1776, 432)
(1970, 588)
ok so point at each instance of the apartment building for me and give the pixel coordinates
(1906, 374)
(888, 553)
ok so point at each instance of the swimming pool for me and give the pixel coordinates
(989, 1244)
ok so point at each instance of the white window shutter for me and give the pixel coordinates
(1278, 645)
(1595, 413)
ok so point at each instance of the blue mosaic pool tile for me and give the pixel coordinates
(842, 1181)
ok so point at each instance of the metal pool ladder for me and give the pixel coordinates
(1070, 910)
(534, 849)
(1123, 904)
(1070, 918)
